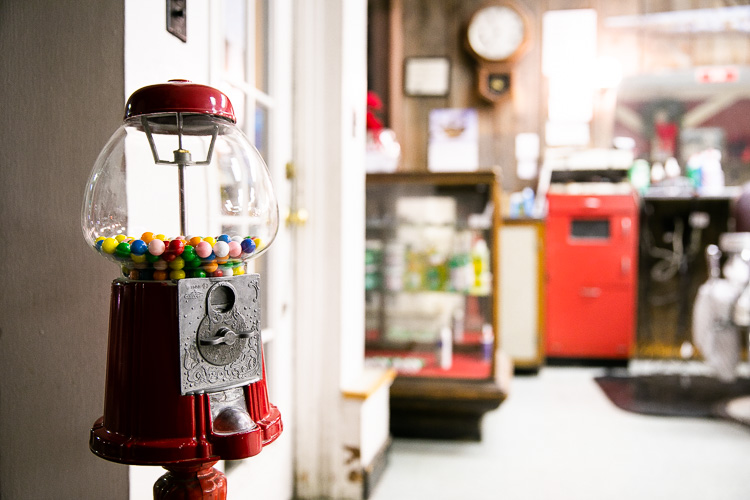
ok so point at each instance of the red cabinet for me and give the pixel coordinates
(591, 261)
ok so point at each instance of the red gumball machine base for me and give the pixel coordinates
(148, 420)
(191, 482)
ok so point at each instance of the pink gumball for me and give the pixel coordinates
(235, 249)
(156, 247)
(203, 249)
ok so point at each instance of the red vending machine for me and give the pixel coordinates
(591, 261)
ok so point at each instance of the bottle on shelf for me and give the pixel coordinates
(445, 348)
(488, 338)
(480, 258)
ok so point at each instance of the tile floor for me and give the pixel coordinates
(557, 437)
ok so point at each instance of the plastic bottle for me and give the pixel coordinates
(694, 171)
(460, 267)
(480, 258)
(488, 338)
(640, 175)
(445, 348)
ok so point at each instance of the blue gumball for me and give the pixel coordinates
(138, 247)
(248, 245)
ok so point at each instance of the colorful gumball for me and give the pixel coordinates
(168, 256)
(160, 265)
(122, 250)
(177, 263)
(225, 238)
(192, 264)
(176, 247)
(210, 267)
(138, 259)
(160, 275)
(138, 247)
(147, 237)
(211, 241)
(221, 249)
(195, 240)
(152, 258)
(235, 249)
(109, 245)
(248, 246)
(203, 249)
(188, 253)
(198, 273)
(239, 270)
(217, 274)
(222, 260)
(134, 275)
(156, 247)
(120, 238)
(177, 274)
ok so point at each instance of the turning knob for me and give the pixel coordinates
(226, 336)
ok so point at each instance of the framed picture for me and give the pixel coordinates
(427, 76)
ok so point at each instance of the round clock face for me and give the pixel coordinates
(496, 32)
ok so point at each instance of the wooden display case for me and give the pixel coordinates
(432, 307)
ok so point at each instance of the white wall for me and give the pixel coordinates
(62, 81)
(152, 55)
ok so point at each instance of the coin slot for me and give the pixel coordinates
(222, 299)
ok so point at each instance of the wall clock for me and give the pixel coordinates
(497, 36)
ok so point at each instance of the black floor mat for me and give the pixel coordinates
(672, 395)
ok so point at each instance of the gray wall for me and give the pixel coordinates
(61, 66)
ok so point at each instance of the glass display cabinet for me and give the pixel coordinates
(432, 255)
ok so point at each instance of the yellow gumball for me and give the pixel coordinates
(120, 238)
(138, 258)
(211, 241)
(239, 270)
(109, 245)
(177, 264)
(177, 274)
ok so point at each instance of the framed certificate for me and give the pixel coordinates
(427, 76)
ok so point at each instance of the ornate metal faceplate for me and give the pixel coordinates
(220, 344)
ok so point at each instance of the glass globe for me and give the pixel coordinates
(179, 191)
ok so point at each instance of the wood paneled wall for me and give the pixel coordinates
(404, 28)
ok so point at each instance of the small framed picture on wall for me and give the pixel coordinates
(427, 76)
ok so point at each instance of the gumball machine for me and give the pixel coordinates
(180, 201)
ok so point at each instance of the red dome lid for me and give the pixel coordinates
(179, 96)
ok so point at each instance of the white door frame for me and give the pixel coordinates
(329, 130)
(270, 474)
